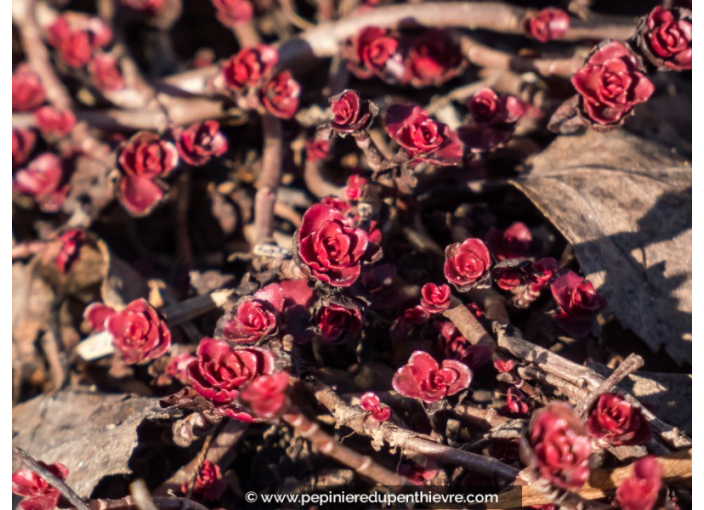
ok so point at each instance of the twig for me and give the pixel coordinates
(469, 326)
(316, 182)
(375, 159)
(407, 440)
(326, 444)
(140, 495)
(246, 34)
(67, 492)
(482, 417)
(268, 181)
(632, 363)
(484, 56)
(128, 503)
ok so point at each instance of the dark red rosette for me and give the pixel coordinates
(615, 421)
(44, 181)
(433, 58)
(350, 113)
(579, 303)
(375, 51)
(143, 160)
(233, 12)
(249, 67)
(254, 318)
(329, 248)
(665, 38)
(280, 95)
(370, 402)
(23, 141)
(422, 138)
(467, 264)
(200, 141)
(547, 24)
(106, 73)
(560, 446)
(27, 89)
(610, 84)
(219, 373)
(266, 395)
(139, 332)
(422, 377)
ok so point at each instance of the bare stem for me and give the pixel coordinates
(268, 181)
(326, 444)
(407, 440)
(375, 159)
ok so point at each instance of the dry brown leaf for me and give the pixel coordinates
(626, 205)
(93, 434)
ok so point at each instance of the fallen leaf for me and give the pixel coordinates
(93, 434)
(626, 206)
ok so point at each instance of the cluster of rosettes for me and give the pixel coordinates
(614, 78)
(470, 265)
(251, 75)
(145, 159)
(79, 42)
(560, 444)
(428, 59)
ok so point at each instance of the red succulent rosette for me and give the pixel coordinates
(433, 58)
(547, 24)
(665, 38)
(44, 181)
(233, 12)
(106, 73)
(139, 332)
(335, 322)
(494, 120)
(317, 149)
(610, 84)
(77, 40)
(23, 141)
(350, 114)
(355, 189)
(375, 51)
(27, 89)
(422, 377)
(579, 303)
(200, 141)
(266, 395)
(615, 421)
(209, 484)
(143, 160)
(511, 274)
(329, 249)
(254, 318)
(219, 373)
(560, 446)
(423, 138)
(435, 298)
(468, 264)
(455, 346)
(370, 402)
(38, 494)
(280, 95)
(54, 122)
(512, 243)
(542, 272)
(640, 491)
(249, 67)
